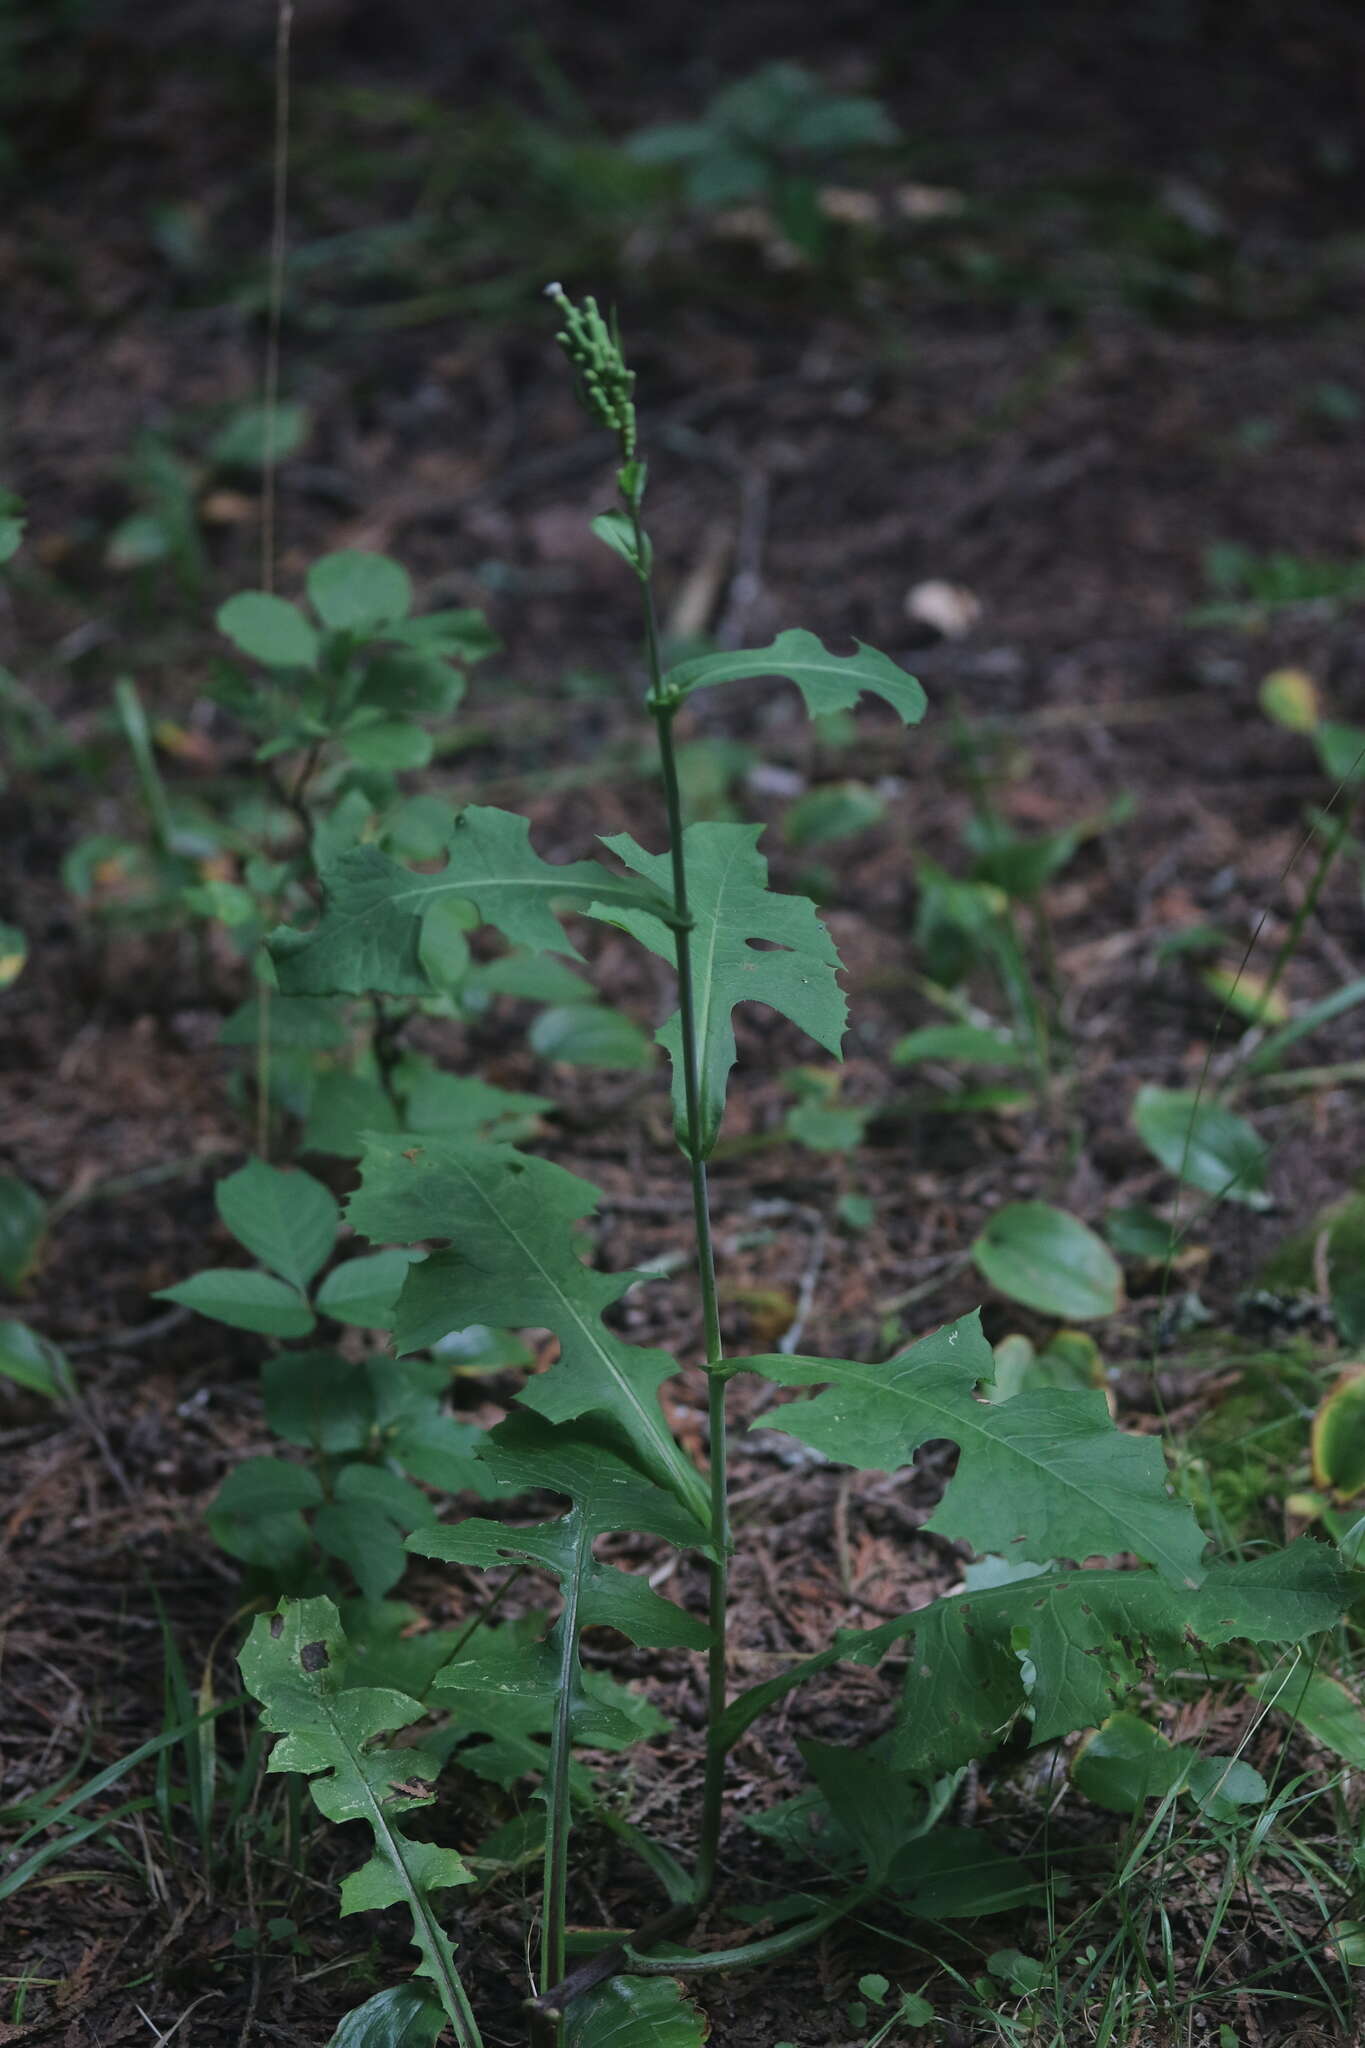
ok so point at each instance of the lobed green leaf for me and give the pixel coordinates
(1042, 1476)
(296, 1662)
(732, 908)
(1066, 1647)
(828, 682)
(369, 938)
(512, 1260)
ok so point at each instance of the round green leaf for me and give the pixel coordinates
(1220, 1785)
(244, 1300)
(1203, 1144)
(1139, 1233)
(137, 541)
(1341, 750)
(1328, 1709)
(1125, 1763)
(1050, 1261)
(355, 590)
(269, 630)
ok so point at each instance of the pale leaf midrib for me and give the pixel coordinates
(590, 1331)
(963, 1423)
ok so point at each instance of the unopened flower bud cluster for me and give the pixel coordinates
(595, 353)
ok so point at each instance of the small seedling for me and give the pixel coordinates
(770, 138)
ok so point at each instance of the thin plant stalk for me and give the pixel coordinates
(553, 1950)
(1331, 847)
(664, 710)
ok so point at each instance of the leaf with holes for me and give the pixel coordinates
(828, 682)
(791, 967)
(369, 938)
(297, 1663)
(510, 1217)
(1042, 1476)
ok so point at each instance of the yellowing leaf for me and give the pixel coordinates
(1339, 1437)
(13, 954)
(1290, 697)
(1247, 995)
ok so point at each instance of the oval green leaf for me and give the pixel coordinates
(1339, 1437)
(969, 1042)
(1203, 1144)
(391, 745)
(1050, 1261)
(363, 1291)
(268, 629)
(354, 590)
(1125, 1763)
(244, 1300)
(590, 1035)
(286, 1220)
(34, 1362)
(23, 1224)
(13, 953)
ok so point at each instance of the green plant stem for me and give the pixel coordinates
(263, 1071)
(137, 732)
(768, 1950)
(608, 1962)
(427, 1935)
(663, 710)
(552, 1941)
(1326, 861)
